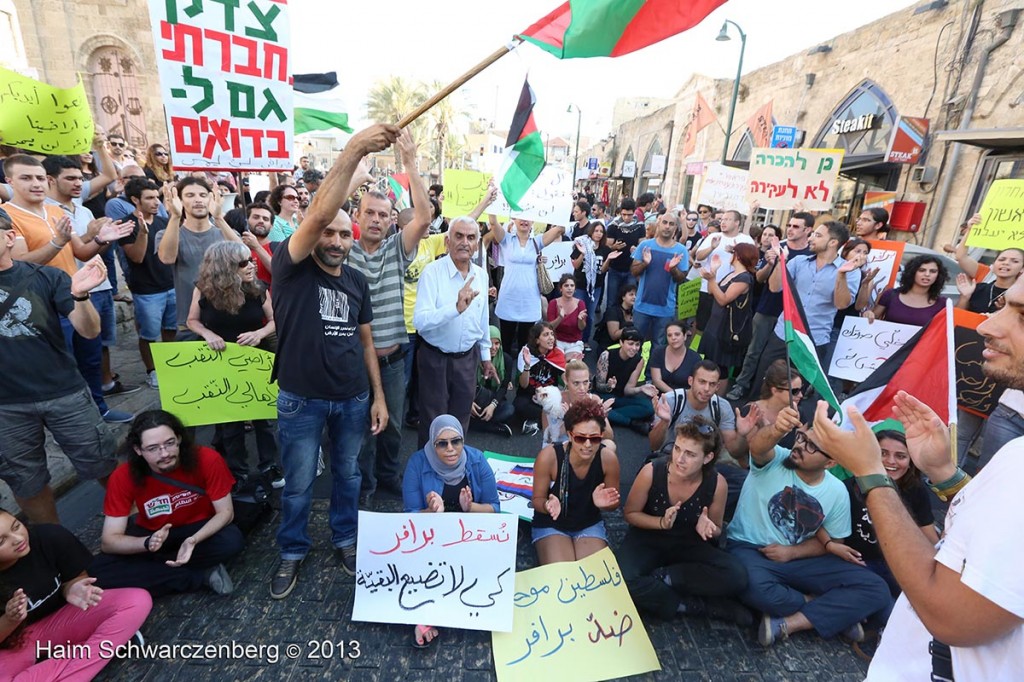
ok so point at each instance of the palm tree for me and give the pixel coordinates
(390, 100)
(443, 117)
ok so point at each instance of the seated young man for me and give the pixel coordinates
(787, 497)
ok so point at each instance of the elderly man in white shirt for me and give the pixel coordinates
(452, 319)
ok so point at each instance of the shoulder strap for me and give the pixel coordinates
(178, 484)
(678, 408)
(18, 290)
(716, 411)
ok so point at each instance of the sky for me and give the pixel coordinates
(369, 41)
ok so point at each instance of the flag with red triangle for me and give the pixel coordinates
(524, 151)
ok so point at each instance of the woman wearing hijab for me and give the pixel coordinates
(491, 408)
(447, 475)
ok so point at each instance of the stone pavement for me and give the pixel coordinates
(320, 607)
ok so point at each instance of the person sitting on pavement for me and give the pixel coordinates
(577, 387)
(670, 557)
(568, 315)
(619, 315)
(540, 363)
(52, 606)
(787, 497)
(492, 410)
(618, 377)
(182, 535)
(446, 475)
(574, 481)
(670, 365)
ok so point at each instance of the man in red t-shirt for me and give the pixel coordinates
(259, 218)
(182, 535)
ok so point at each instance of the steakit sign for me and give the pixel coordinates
(907, 141)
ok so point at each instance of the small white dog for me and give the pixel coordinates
(550, 400)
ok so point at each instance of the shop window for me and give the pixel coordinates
(117, 105)
(861, 124)
(654, 150)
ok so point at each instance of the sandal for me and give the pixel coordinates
(420, 633)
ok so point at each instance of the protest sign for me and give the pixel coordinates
(863, 346)
(514, 476)
(725, 187)
(1002, 217)
(203, 386)
(975, 392)
(41, 118)
(780, 178)
(549, 199)
(559, 260)
(687, 298)
(886, 256)
(573, 620)
(455, 570)
(225, 81)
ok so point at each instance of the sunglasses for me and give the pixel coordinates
(160, 154)
(246, 263)
(117, 144)
(705, 212)
(795, 391)
(291, 197)
(583, 440)
(703, 429)
(691, 220)
(444, 443)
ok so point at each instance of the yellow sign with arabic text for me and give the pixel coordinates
(41, 118)
(573, 621)
(203, 386)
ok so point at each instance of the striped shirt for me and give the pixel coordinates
(383, 270)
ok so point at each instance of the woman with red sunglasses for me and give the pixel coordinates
(573, 482)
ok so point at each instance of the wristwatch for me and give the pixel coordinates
(868, 483)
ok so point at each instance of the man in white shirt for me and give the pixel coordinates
(961, 615)
(721, 245)
(451, 316)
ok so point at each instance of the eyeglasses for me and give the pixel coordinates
(444, 443)
(583, 440)
(802, 441)
(167, 445)
(246, 263)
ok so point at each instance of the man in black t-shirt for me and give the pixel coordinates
(41, 384)
(151, 281)
(326, 365)
(624, 233)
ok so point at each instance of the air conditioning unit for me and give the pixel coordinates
(922, 174)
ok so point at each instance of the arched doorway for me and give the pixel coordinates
(115, 88)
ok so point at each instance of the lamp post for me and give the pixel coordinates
(723, 35)
(576, 159)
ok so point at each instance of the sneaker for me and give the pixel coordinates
(117, 388)
(531, 428)
(734, 395)
(320, 464)
(641, 426)
(854, 633)
(347, 557)
(218, 580)
(118, 417)
(285, 577)
(137, 639)
(772, 630)
(151, 380)
(503, 430)
(274, 474)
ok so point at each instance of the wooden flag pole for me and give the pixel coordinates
(458, 83)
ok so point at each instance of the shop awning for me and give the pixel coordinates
(988, 138)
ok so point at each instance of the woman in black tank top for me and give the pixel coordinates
(670, 558)
(573, 482)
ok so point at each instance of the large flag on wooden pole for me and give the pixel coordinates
(700, 118)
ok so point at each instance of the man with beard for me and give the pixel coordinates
(185, 240)
(326, 365)
(259, 219)
(961, 614)
(303, 197)
(787, 497)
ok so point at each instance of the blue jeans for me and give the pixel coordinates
(300, 423)
(614, 281)
(155, 313)
(591, 303)
(650, 327)
(103, 302)
(845, 593)
(1003, 426)
(381, 455)
(88, 354)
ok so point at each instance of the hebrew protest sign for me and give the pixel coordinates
(225, 80)
(780, 178)
(454, 570)
(975, 392)
(687, 298)
(514, 476)
(203, 386)
(725, 187)
(549, 199)
(863, 346)
(41, 118)
(573, 620)
(1002, 217)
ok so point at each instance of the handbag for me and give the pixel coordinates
(544, 282)
(737, 336)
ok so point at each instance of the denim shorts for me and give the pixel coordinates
(596, 531)
(155, 312)
(103, 302)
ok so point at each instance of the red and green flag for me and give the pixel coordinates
(398, 190)
(524, 151)
(612, 28)
(800, 351)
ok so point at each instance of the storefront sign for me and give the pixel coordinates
(658, 164)
(780, 178)
(629, 169)
(785, 137)
(1002, 217)
(695, 168)
(592, 163)
(855, 125)
(907, 141)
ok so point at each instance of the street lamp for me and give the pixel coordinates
(576, 159)
(723, 35)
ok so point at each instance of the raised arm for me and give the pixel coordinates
(420, 223)
(167, 249)
(762, 442)
(104, 164)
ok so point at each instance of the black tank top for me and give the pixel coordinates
(575, 494)
(249, 318)
(684, 530)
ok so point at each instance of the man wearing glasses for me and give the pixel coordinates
(793, 581)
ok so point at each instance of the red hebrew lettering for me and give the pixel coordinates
(256, 136)
(180, 33)
(271, 51)
(250, 46)
(225, 47)
(218, 137)
(186, 135)
(281, 152)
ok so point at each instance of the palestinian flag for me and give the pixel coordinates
(524, 151)
(924, 367)
(398, 190)
(612, 28)
(318, 105)
(800, 352)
